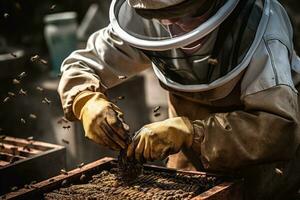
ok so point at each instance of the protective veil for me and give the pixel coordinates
(188, 55)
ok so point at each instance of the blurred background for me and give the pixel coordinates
(34, 38)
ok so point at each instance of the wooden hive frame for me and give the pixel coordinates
(24, 160)
(228, 190)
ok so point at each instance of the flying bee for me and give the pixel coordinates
(121, 97)
(80, 165)
(44, 62)
(156, 109)
(11, 94)
(6, 15)
(157, 114)
(23, 121)
(52, 7)
(6, 99)
(278, 171)
(212, 61)
(22, 75)
(46, 101)
(23, 92)
(39, 88)
(34, 58)
(16, 81)
(65, 141)
(67, 127)
(32, 116)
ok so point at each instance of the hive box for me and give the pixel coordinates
(25, 161)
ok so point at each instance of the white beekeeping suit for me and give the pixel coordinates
(232, 80)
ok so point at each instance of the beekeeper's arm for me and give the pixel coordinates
(87, 73)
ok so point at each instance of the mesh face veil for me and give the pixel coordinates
(182, 47)
(155, 34)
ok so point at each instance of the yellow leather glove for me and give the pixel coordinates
(158, 140)
(102, 120)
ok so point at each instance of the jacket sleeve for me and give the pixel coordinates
(98, 66)
(266, 130)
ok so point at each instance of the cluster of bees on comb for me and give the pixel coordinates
(148, 185)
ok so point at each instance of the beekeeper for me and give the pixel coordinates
(232, 76)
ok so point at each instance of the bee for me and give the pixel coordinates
(80, 165)
(121, 97)
(11, 94)
(157, 114)
(16, 81)
(63, 171)
(46, 101)
(65, 141)
(52, 7)
(51, 180)
(39, 88)
(122, 77)
(156, 109)
(37, 58)
(23, 121)
(212, 61)
(278, 171)
(44, 62)
(14, 188)
(64, 183)
(6, 99)
(34, 58)
(22, 92)
(32, 116)
(6, 15)
(22, 75)
(82, 177)
(67, 127)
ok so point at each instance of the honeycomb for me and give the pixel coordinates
(109, 185)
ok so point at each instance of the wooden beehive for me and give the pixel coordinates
(23, 161)
(225, 190)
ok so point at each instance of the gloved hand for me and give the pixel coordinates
(158, 140)
(102, 120)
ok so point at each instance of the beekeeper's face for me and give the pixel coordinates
(186, 24)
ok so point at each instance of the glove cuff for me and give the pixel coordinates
(81, 99)
(198, 136)
(189, 131)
